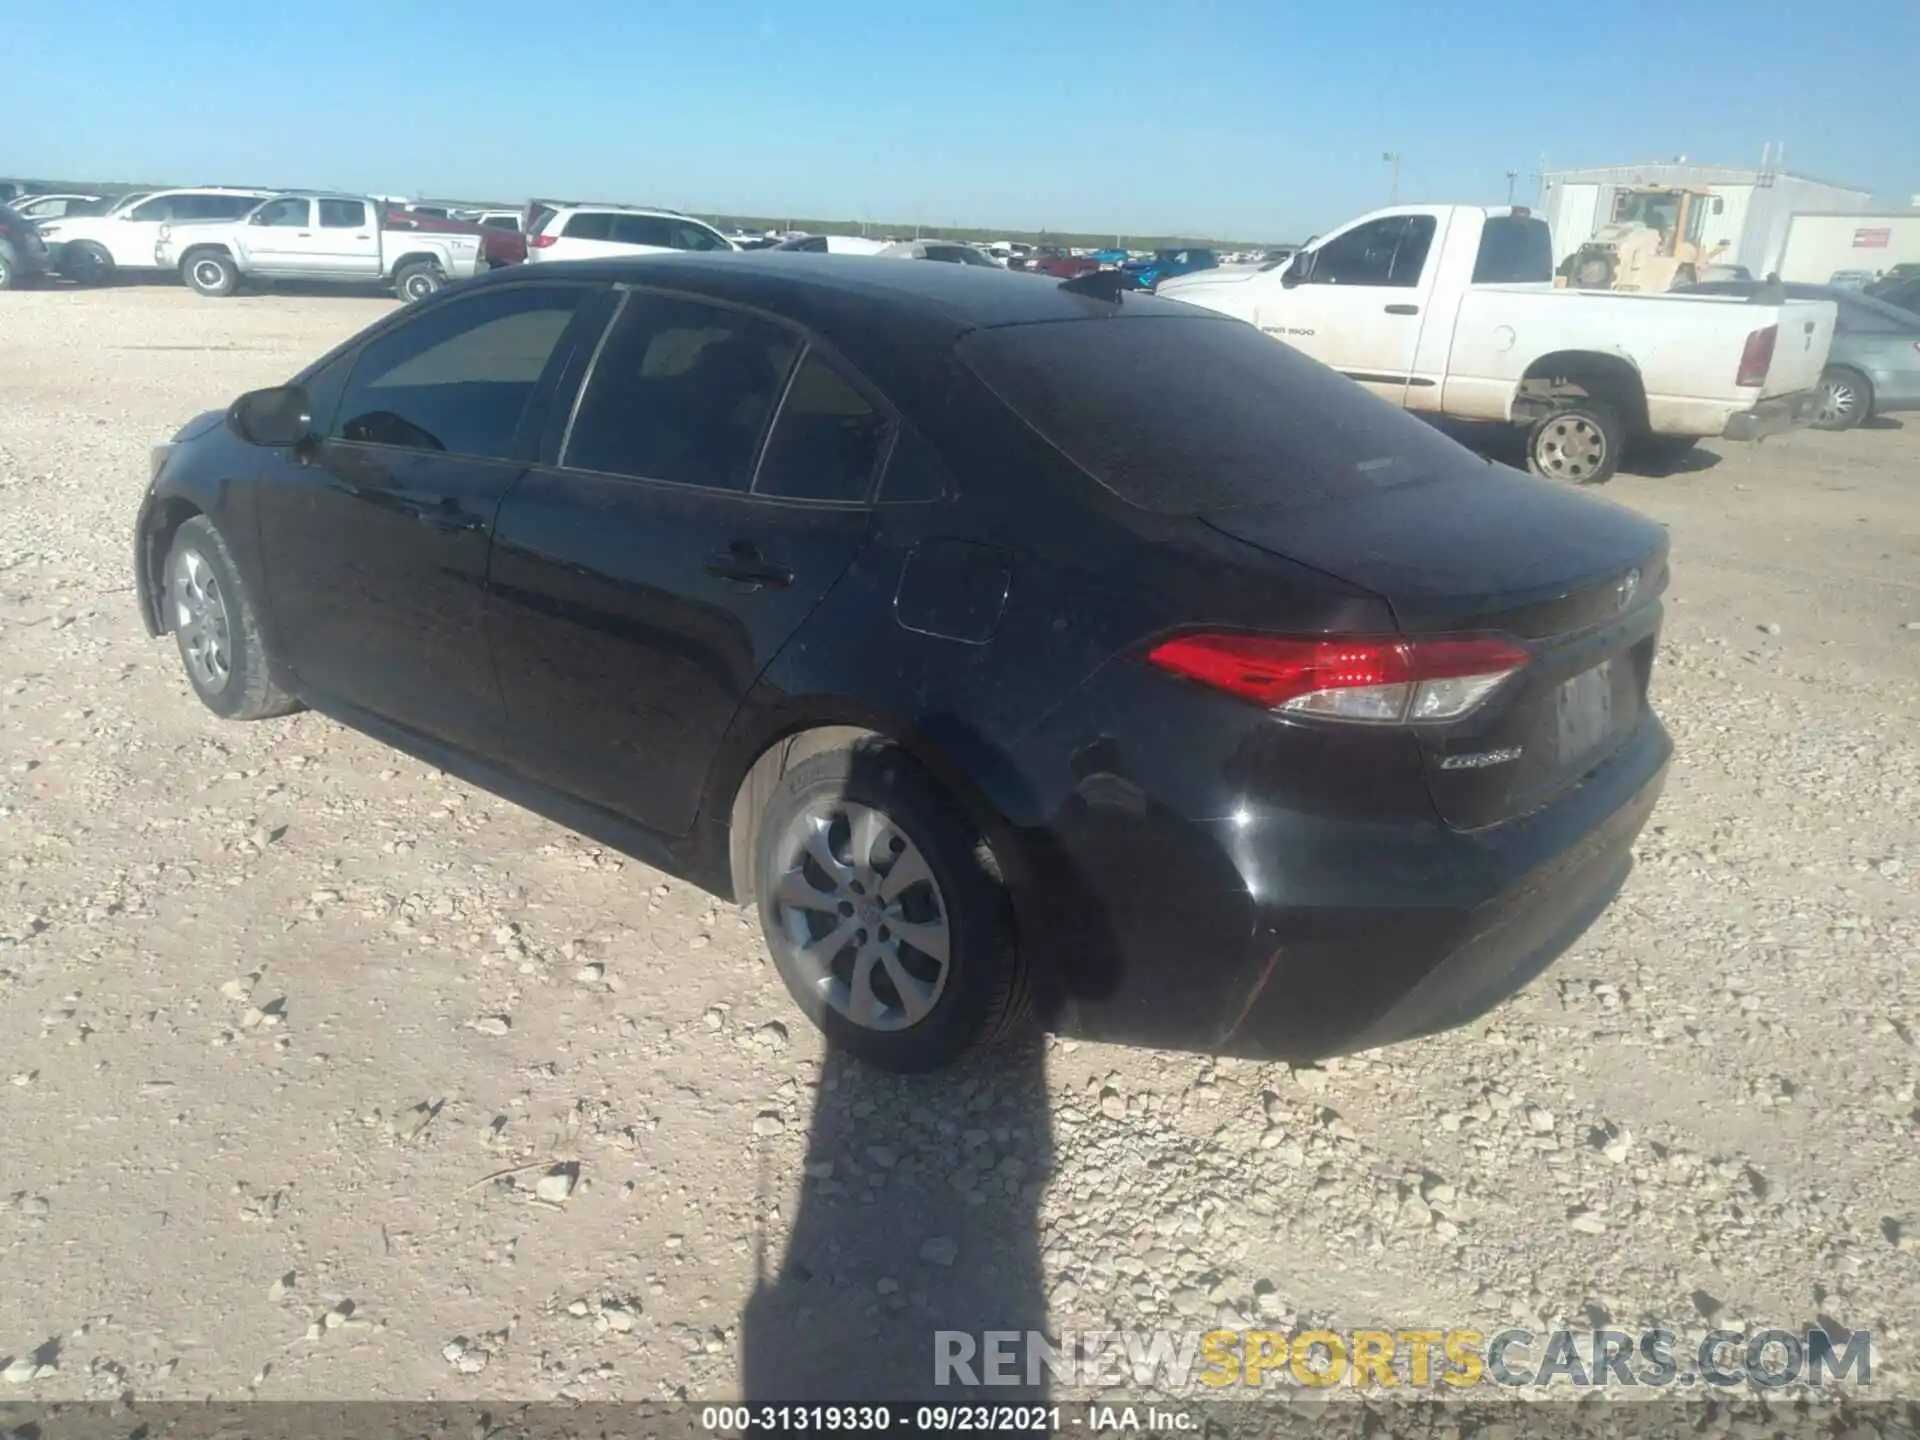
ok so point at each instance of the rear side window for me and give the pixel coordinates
(681, 391)
(1181, 416)
(459, 378)
(1514, 250)
(342, 214)
(589, 225)
(826, 442)
(500, 222)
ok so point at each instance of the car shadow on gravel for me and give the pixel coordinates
(919, 1215)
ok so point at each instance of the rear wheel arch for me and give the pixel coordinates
(1558, 378)
(760, 771)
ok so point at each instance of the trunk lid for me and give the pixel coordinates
(1486, 549)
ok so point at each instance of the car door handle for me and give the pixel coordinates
(1403, 309)
(742, 565)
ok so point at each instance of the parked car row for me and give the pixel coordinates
(217, 238)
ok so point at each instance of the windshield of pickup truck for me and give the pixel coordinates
(1180, 416)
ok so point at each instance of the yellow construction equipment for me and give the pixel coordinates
(1655, 241)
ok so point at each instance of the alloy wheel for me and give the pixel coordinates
(1571, 447)
(859, 916)
(200, 619)
(1839, 401)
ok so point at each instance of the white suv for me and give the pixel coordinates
(586, 232)
(93, 248)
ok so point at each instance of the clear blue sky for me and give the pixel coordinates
(1224, 117)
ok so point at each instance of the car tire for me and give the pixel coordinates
(1579, 444)
(417, 281)
(1846, 398)
(217, 627)
(9, 276)
(211, 273)
(87, 263)
(849, 947)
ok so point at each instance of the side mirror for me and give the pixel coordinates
(280, 417)
(1719, 205)
(1298, 270)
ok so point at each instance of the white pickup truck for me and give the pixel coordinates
(1451, 310)
(316, 237)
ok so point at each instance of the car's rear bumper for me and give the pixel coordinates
(1274, 934)
(1773, 416)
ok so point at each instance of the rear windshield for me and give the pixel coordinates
(1514, 250)
(1180, 416)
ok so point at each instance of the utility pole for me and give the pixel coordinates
(1392, 157)
(1512, 175)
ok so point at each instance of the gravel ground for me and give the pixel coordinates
(332, 1077)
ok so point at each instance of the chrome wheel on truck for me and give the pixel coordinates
(1579, 445)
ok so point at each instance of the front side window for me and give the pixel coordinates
(826, 442)
(458, 379)
(687, 236)
(1389, 251)
(287, 213)
(342, 214)
(158, 208)
(681, 391)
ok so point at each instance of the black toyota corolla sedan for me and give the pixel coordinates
(1018, 648)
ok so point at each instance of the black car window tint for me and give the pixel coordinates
(681, 391)
(826, 441)
(589, 226)
(1184, 416)
(459, 378)
(1362, 256)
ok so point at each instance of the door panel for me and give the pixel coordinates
(638, 586)
(346, 240)
(376, 541)
(280, 236)
(1363, 307)
(623, 655)
(380, 552)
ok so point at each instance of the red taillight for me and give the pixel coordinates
(1757, 357)
(541, 242)
(1382, 679)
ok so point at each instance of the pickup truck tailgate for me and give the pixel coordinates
(1800, 352)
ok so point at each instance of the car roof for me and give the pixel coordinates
(826, 294)
(619, 209)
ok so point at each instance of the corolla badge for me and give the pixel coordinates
(1626, 588)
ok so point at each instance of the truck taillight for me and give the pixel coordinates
(1757, 357)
